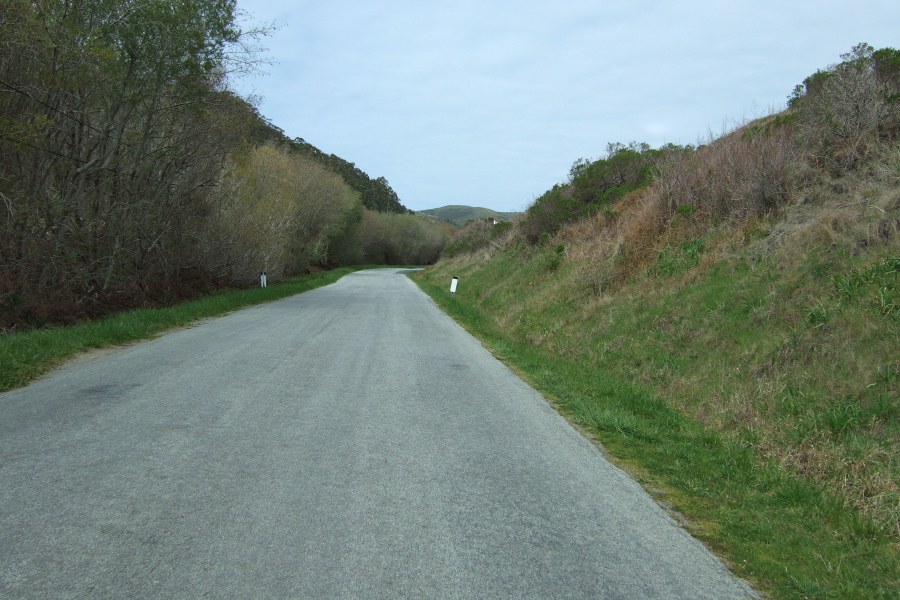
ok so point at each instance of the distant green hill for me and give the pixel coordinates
(433, 219)
(460, 215)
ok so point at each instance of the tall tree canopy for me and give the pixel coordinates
(109, 145)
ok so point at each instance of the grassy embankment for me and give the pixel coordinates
(747, 372)
(29, 354)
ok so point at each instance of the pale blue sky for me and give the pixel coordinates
(488, 103)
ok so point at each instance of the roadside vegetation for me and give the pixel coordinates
(725, 319)
(131, 175)
(28, 354)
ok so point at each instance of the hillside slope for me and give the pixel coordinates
(726, 321)
(460, 215)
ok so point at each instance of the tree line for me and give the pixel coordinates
(130, 174)
(375, 194)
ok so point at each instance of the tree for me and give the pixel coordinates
(376, 194)
(111, 144)
(279, 212)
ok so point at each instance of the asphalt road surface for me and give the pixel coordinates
(349, 442)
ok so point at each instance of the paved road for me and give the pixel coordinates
(349, 442)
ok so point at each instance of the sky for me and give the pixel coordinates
(488, 103)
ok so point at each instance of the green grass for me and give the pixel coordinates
(643, 373)
(674, 261)
(878, 282)
(29, 354)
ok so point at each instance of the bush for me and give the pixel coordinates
(592, 186)
(551, 211)
(474, 236)
(737, 176)
(845, 109)
(400, 239)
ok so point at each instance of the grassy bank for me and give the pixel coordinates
(726, 320)
(29, 354)
(754, 397)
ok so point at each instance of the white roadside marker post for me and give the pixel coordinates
(453, 285)
(262, 279)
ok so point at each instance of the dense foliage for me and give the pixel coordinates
(131, 174)
(376, 194)
(109, 144)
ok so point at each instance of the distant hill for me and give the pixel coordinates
(459, 215)
(437, 220)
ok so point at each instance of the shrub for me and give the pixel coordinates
(592, 186)
(474, 236)
(551, 211)
(398, 239)
(736, 176)
(845, 109)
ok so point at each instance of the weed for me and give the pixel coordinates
(818, 315)
(880, 280)
(886, 302)
(889, 375)
(674, 261)
(553, 259)
(847, 286)
(841, 416)
(693, 248)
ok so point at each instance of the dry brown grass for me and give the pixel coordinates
(752, 337)
(739, 178)
(857, 212)
(749, 171)
(738, 386)
(613, 246)
(744, 386)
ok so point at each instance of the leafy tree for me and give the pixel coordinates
(116, 125)
(376, 194)
(279, 212)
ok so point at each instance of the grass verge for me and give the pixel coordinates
(29, 354)
(786, 535)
